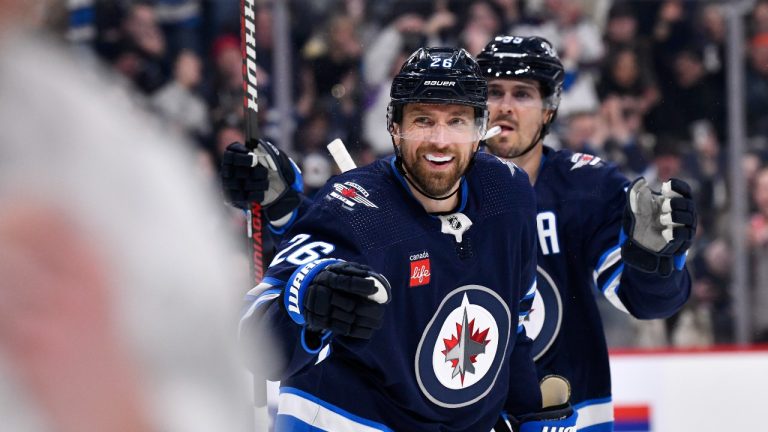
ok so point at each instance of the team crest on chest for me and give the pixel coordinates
(462, 349)
(351, 194)
(467, 342)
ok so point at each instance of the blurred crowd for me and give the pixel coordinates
(644, 88)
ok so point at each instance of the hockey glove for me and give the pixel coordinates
(556, 414)
(346, 298)
(659, 227)
(266, 176)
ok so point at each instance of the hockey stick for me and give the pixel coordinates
(341, 155)
(251, 111)
(251, 114)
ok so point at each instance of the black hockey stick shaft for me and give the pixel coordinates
(251, 113)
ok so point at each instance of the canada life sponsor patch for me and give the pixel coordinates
(582, 159)
(420, 272)
(351, 194)
(462, 349)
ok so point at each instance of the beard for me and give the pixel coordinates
(435, 183)
(503, 147)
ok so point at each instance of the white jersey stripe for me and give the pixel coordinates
(612, 258)
(611, 291)
(320, 416)
(591, 415)
(263, 296)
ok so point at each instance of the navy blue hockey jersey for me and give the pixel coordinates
(452, 352)
(580, 201)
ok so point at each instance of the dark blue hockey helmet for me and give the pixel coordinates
(526, 57)
(438, 76)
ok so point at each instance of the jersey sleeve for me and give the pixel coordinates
(643, 295)
(278, 232)
(316, 237)
(524, 394)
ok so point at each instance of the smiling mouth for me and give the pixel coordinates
(438, 160)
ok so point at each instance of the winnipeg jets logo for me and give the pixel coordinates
(544, 321)
(351, 194)
(582, 159)
(463, 348)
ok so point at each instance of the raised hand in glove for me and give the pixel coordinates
(265, 175)
(556, 414)
(659, 226)
(346, 298)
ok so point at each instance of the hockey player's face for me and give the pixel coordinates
(437, 142)
(517, 107)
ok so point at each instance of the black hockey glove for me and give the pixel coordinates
(265, 175)
(557, 413)
(659, 226)
(346, 298)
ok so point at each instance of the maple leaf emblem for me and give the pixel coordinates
(349, 192)
(463, 347)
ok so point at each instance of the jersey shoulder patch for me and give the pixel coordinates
(370, 203)
(351, 194)
(360, 188)
(579, 160)
(582, 175)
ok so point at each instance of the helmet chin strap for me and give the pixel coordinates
(539, 137)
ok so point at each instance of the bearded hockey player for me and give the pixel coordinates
(595, 229)
(397, 296)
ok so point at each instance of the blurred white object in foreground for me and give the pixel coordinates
(118, 296)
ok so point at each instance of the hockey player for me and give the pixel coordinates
(595, 229)
(397, 296)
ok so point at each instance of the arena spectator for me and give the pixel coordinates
(142, 57)
(691, 95)
(178, 101)
(757, 85)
